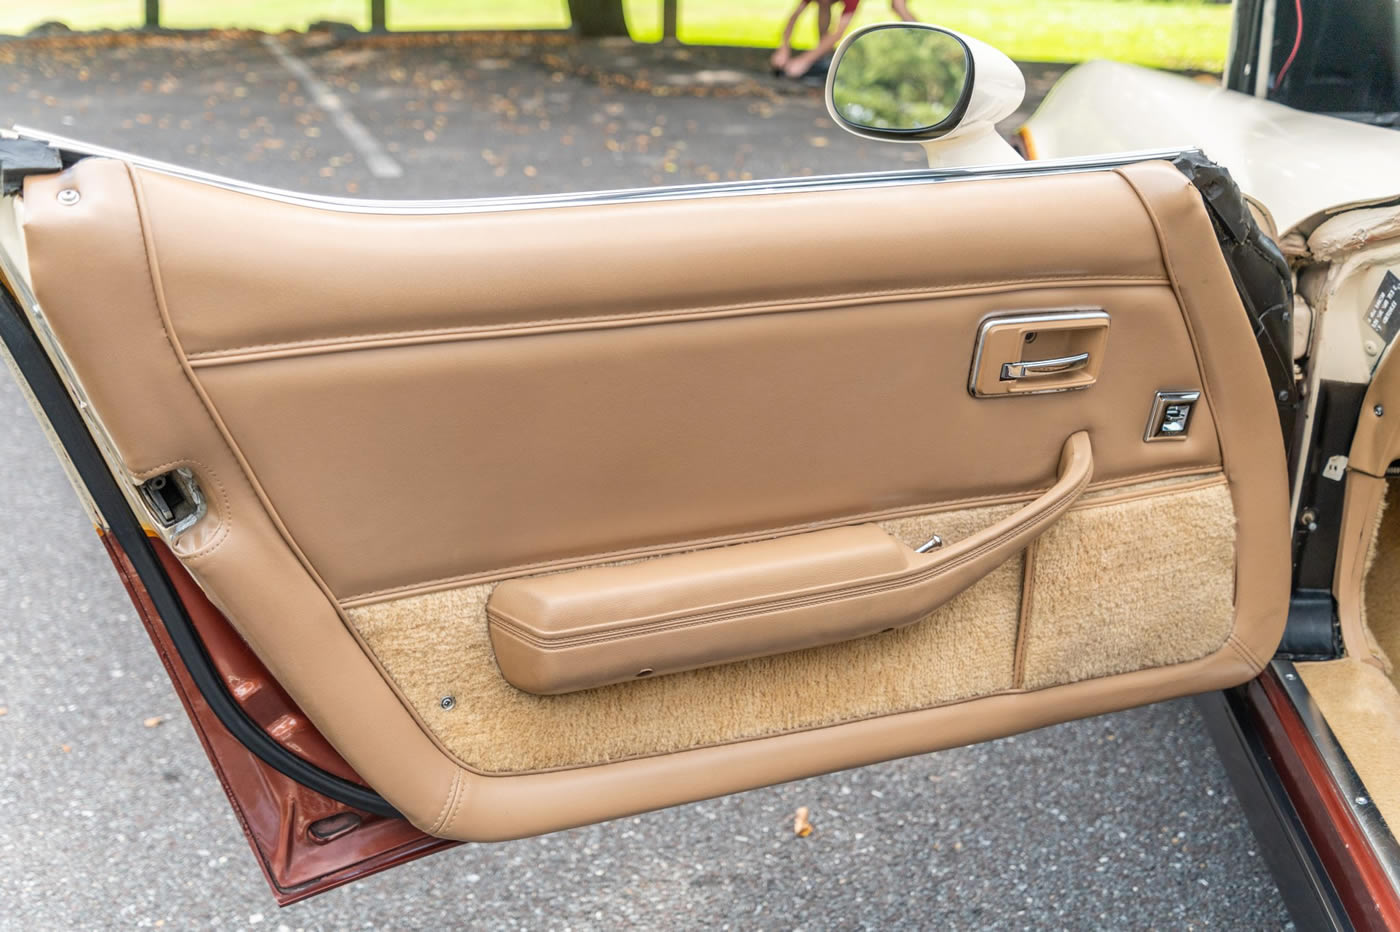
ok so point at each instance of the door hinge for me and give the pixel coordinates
(174, 500)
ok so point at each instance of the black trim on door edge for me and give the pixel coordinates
(38, 371)
(1262, 278)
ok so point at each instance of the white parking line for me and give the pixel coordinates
(381, 164)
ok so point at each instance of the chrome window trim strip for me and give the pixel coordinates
(1367, 814)
(620, 196)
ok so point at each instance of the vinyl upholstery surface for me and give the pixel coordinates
(537, 424)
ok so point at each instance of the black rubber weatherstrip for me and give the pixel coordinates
(58, 406)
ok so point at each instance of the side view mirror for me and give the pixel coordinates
(911, 82)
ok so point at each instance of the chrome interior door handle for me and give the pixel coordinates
(1029, 368)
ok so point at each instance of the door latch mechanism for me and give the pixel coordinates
(174, 500)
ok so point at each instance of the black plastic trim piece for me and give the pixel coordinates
(1302, 879)
(1243, 55)
(1318, 533)
(1262, 278)
(53, 397)
(20, 158)
(1312, 632)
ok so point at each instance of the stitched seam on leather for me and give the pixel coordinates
(261, 497)
(930, 508)
(145, 474)
(441, 819)
(1207, 388)
(1207, 391)
(147, 236)
(457, 803)
(797, 304)
(1133, 495)
(777, 605)
(144, 246)
(1244, 652)
(210, 411)
(781, 604)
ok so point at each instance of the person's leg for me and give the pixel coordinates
(800, 64)
(901, 9)
(783, 53)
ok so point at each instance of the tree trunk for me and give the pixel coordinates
(668, 19)
(378, 21)
(594, 18)
(152, 14)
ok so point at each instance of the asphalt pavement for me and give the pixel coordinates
(1125, 821)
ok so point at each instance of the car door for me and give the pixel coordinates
(465, 521)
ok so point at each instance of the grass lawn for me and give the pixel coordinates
(1166, 33)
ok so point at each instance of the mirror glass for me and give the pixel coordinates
(900, 78)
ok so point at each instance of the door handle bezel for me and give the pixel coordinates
(998, 371)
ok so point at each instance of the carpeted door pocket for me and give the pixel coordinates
(1167, 601)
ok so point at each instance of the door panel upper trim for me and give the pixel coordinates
(616, 196)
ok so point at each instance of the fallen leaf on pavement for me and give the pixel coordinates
(154, 720)
(800, 826)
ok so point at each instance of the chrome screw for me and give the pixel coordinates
(1290, 676)
(69, 196)
(447, 703)
(1380, 410)
(1362, 800)
(933, 543)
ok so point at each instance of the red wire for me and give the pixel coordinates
(1297, 42)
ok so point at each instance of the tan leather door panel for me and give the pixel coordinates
(513, 458)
